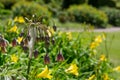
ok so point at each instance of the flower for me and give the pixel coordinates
(14, 29)
(103, 58)
(19, 39)
(45, 73)
(46, 59)
(117, 68)
(72, 69)
(19, 19)
(14, 58)
(60, 57)
(69, 35)
(105, 77)
(98, 39)
(93, 45)
(91, 77)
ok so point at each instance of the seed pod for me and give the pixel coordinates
(36, 53)
(54, 28)
(46, 59)
(60, 57)
(14, 42)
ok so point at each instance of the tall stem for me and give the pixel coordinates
(32, 33)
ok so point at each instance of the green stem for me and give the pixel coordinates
(28, 69)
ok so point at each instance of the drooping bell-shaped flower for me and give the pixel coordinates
(46, 59)
(60, 57)
(36, 53)
(14, 42)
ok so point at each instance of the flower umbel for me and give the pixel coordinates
(45, 73)
(14, 58)
(72, 69)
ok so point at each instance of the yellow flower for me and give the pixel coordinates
(91, 77)
(117, 68)
(19, 19)
(13, 29)
(93, 45)
(19, 39)
(105, 77)
(69, 35)
(98, 39)
(49, 33)
(45, 74)
(103, 57)
(14, 58)
(72, 69)
(51, 30)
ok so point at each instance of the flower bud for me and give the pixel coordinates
(36, 53)
(60, 57)
(46, 59)
(14, 42)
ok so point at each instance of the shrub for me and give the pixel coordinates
(27, 9)
(88, 14)
(113, 15)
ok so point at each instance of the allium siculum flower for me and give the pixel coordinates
(19, 39)
(91, 77)
(60, 57)
(54, 28)
(103, 57)
(14, 58)
(73, 69)
(46, 59)
(14, 29)
(14, 42)
(36, 53)
(3, 49)
(117, 68)
(45, 74)
(19, 19)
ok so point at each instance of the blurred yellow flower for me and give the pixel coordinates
(98, 39)
(105, 77)
(19, 19)
(93, 45)
(69, 35)
(45, 73)
(19, 39)
(13, 29)
(14, 58)
(49, 33)
(91, 77)
(51, 30)
(117, 68)
(72, 69)
(103, 57)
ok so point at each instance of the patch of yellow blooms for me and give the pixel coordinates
(19, 19)
(14, 58)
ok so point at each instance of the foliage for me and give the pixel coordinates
(88, 14)
(99, 3)
(113, 15)
(55, 54)
(27, 9)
